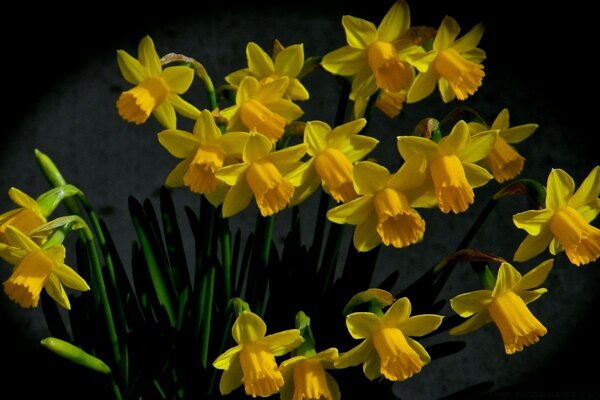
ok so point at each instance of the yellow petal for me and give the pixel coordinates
(175, 177)
(446, 90)
(18, 239)
(467, 304)
(362, 324)
(232, 378)
(559, 189)
(248, 328)
(233, 143)
(507, 278)
(231, 174)
(259, 62)
(345, 61)
(287, 157)
(178, 78)
(237, 199)
(297, 91)
(283, 342)
(22, 199)
(12, 255)
(70, 278)
(57, 292)
(419, 349)
(363, 84)
(589, 211)
(165, 114)
(446, 34)
(360, 33)
(531, 295)
(398, 312)
(248, 87)
(289, 61)
(205, 128)
(365, 235)
(517, 134)
(410, 175)
(353, 212)
(148, 56)
(315, 136)
(533, 245)
(178, 143)
(469, 40)
(257, 147)
(183, 107)
(355, 356)
(133, 71)
(235, 78)
(422, 86)
(457, 140)
(535, 277)
(395, 23)
(286, 109)
(228, 358)
(533, 221)
(306, 184)
(272, 91)
(369, 177)
(472, 324)
(358, 147)
(476, 176)
(589, 190)
(411, 145)
(479, 146)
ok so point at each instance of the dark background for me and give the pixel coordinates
(61, 81)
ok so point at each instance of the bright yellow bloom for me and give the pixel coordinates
(384, 213)
(332, 153)
(376, 57)
(262, 108)
(157, 91)
(37, 268)
(260, 174)
(252, 361)
(305, 377)
(454, 64)
(504, 161)
(204, 152)
(287, 62)
(387, 348)
(565, 222)
(505, 306)
(26, 218)
(451, 170)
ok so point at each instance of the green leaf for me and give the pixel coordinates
(174, 242)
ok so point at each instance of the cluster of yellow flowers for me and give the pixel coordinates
(247, 151)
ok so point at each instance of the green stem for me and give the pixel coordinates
(226, 258)
(330, 256)
(489, 207)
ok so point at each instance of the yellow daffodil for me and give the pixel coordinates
(287, 62)
(305, 377)
(204, 152)
(157, 91)
(384, 212)
(375, 56)
(565, 222)
(454, 64)
(504, 161)
(262, 108)
(332, 153)
(260, 174)
(26, 218)
(451, 170)
(37, 268)
(387, 348)
(388, 102)
(506, 306)
(252, 361)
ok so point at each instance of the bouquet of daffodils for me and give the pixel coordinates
(181, 326)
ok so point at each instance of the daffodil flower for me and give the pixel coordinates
(451, 170)
(332, 153)
(35, 269)
(204, 152)
(252, 360)
(305, 377)
(388, 102)
(262, 108)
(287, 62)
(156, 89)
(384, 211)
(565, 222)
(375, 56)
(26, 218)
(387, 348)
(260, 174)
(504, 161)
(454, 64)
(506, 306)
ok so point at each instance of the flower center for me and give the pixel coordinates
(335, 170)
(271, 190)
(255, 116)
(136, 104)
(464, 76)
(24, 220)
(200, 176)
(398, 361)
(516, 323)
(26, 282)
(580, 239)
(451, 186)
(390, 71)
(261, 375)
(310, 382)
(504, 161)
(398, 223)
